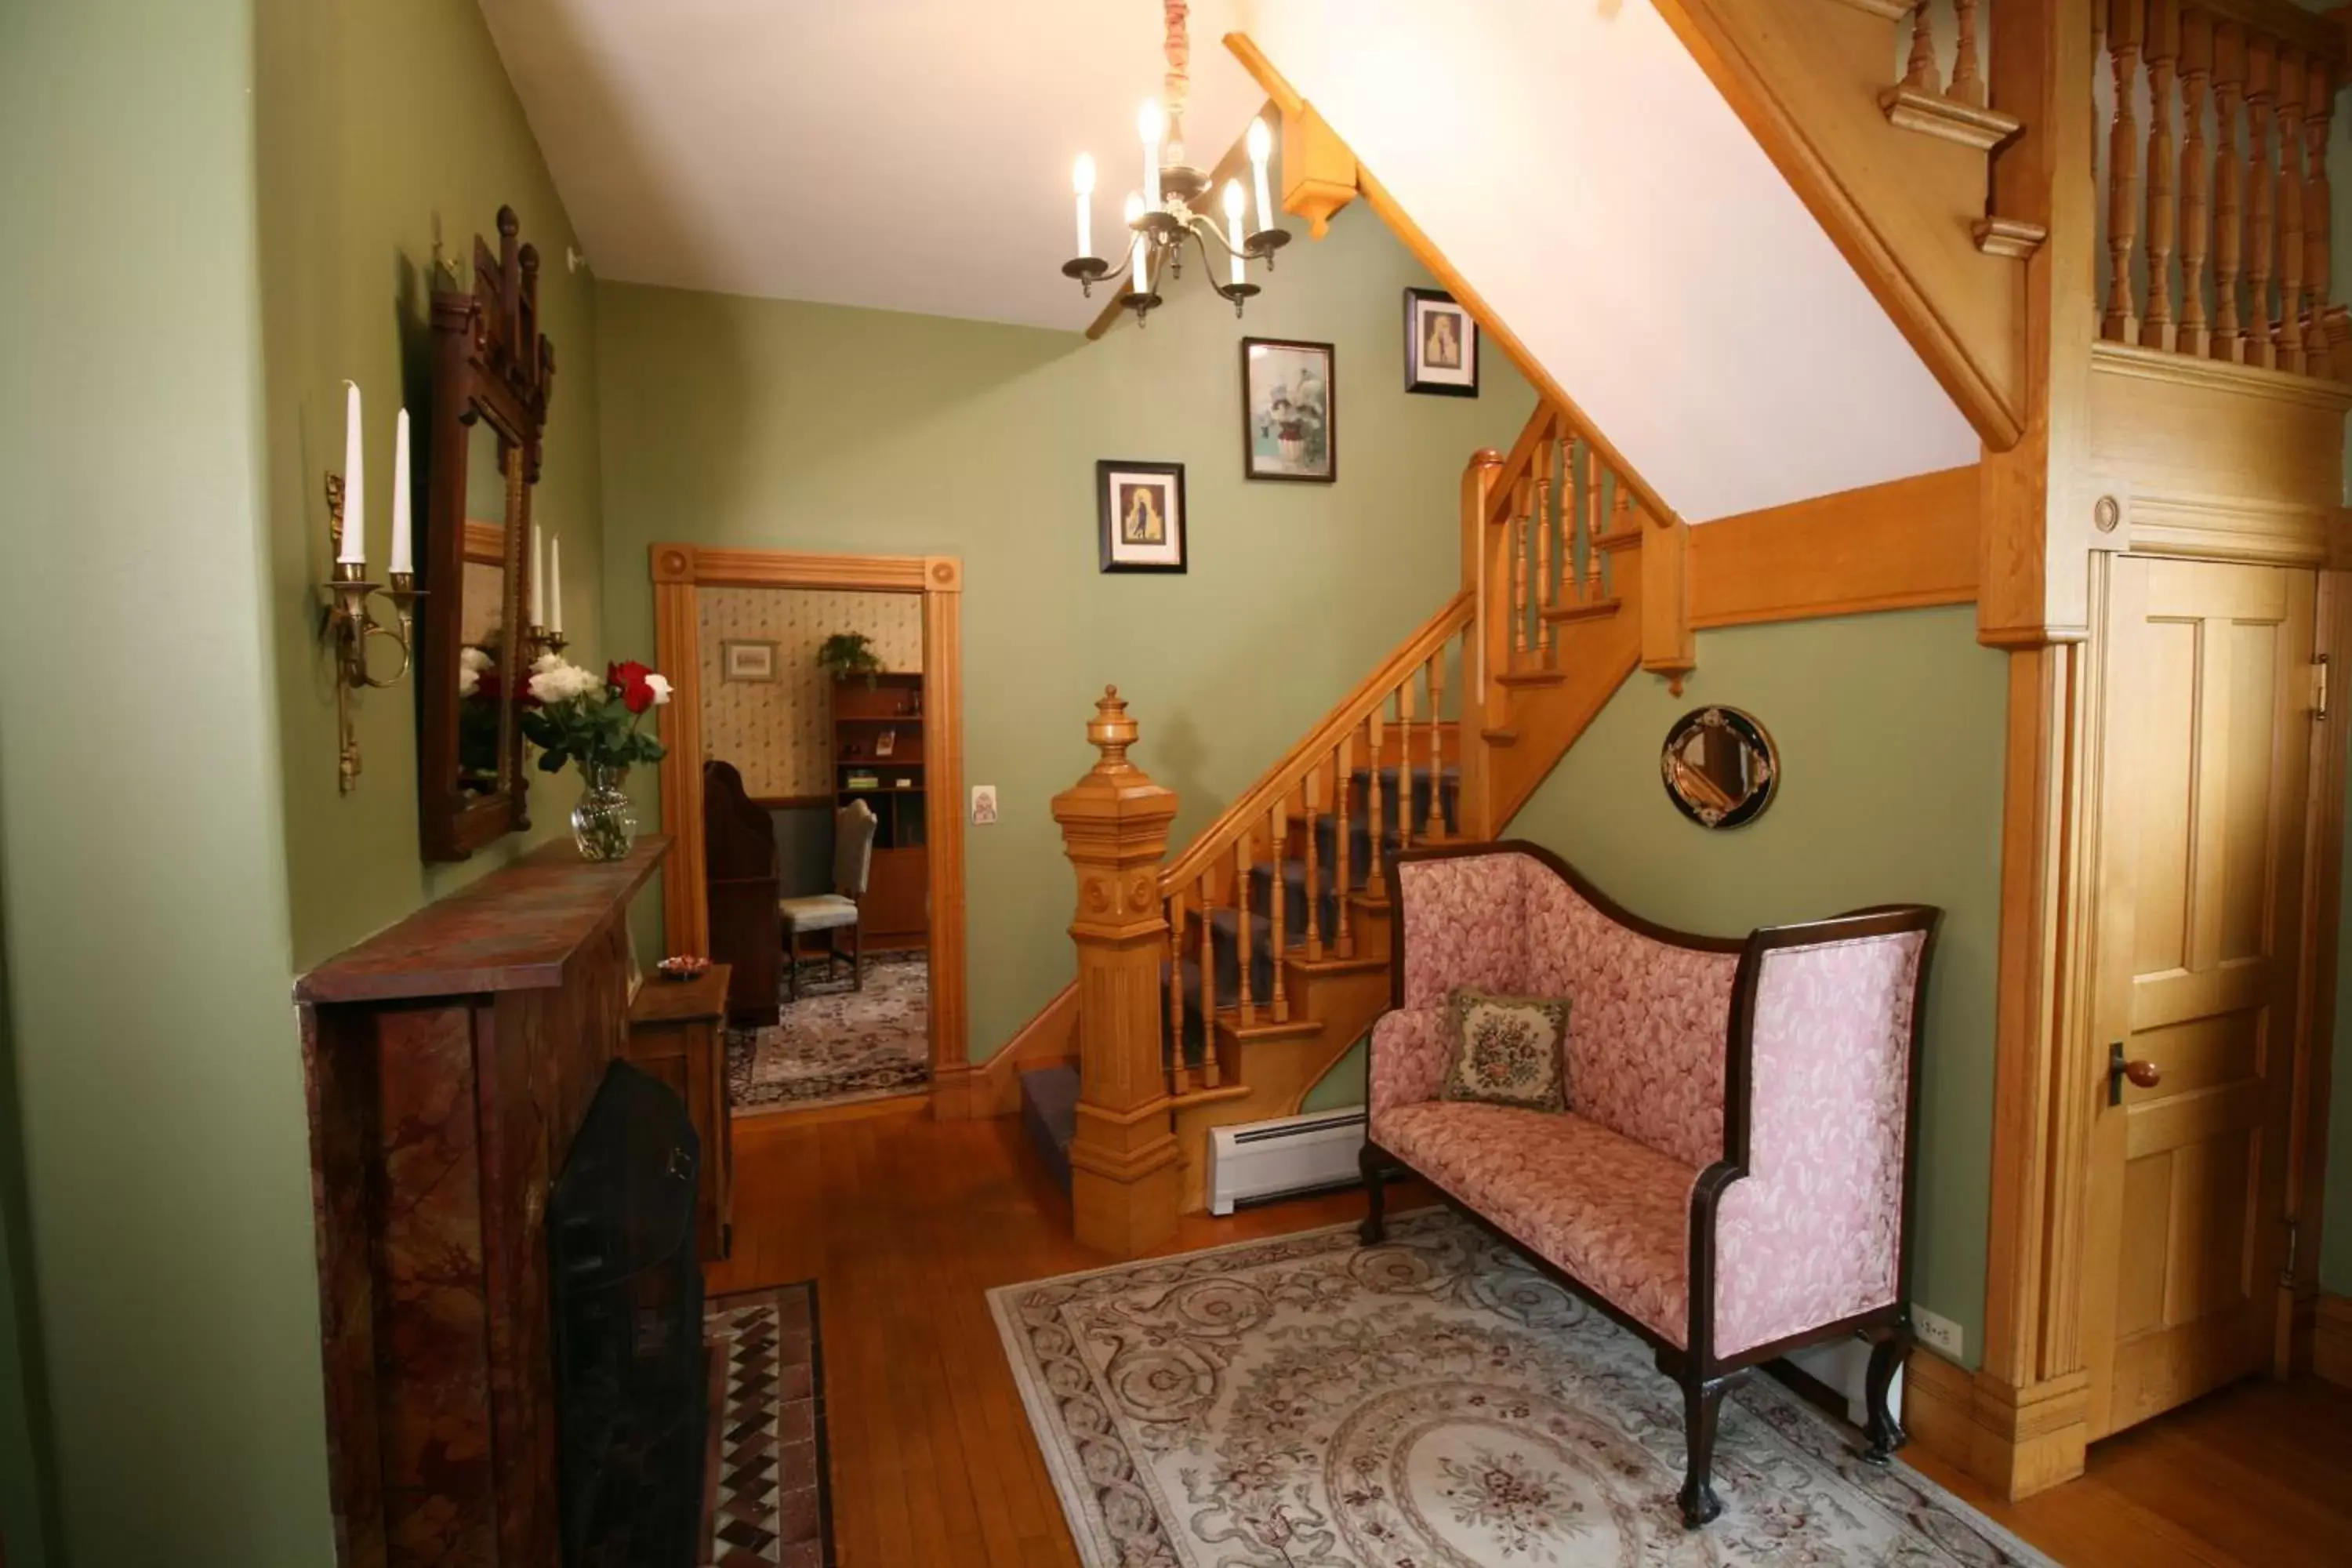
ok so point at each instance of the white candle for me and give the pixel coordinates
(538, 581)
(1150, 123)
(555, 584)
(1082, 180)
(1137, 250)
(353, 549)
(1234, 224)
(403, 544)
(1261, 143)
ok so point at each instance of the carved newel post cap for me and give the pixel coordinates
(1111, 732)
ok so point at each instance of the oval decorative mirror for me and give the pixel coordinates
(1720, 767)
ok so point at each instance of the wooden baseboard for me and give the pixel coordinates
(2331, 1340)
(1938, 1406)
(2018, 1442)
(978, 1090)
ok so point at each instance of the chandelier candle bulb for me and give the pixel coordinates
(1261, 144)
(403, 562)
(1137, 250)
(1150, 123)
(1234, 224)
(353, 549)
(1082, 181)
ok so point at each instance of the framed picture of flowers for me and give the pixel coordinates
(1287, 423)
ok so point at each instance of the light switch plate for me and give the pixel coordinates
(1939, 1334)
(983, 805)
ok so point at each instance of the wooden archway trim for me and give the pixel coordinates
(679, 572)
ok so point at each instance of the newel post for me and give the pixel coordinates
(1125, 1178)
(1486, 572)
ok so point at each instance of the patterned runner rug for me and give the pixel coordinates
(769, 1490)
(836, 1044)
(1304, 1401)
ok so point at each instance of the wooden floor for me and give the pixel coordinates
(905, 1222)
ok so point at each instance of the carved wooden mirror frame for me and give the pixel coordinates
(491, 366)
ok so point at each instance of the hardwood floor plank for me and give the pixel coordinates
(905, 1224)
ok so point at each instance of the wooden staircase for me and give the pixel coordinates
(1271, 945)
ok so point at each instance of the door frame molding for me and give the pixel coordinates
(679, 573)
(2022, 1424)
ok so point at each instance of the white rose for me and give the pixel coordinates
(469, 679)
(660, 683)
(473, 658)
(555, 682)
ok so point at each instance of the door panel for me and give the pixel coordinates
(2196, 918)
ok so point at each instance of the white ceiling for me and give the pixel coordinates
(906, 154)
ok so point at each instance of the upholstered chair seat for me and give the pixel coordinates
(823, 911)
(854, 829)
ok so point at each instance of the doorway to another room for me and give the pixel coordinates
(813, 785)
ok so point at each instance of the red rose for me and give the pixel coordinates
(636, 692)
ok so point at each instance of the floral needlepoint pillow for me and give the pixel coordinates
(1505, 1049)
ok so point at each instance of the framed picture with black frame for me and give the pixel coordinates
(1140, 507)
(1441, 345)
(1290, 429)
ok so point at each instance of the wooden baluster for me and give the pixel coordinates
(2229, 181)
(1179, 1075)
(1922, 72)
(1622, 521)
(1277, 837)
(2261, 213)
(1209, 962)
(2195, 180)
(1404, 765)
(1547, 592)
(1434, 825)
(1314, 868)
(2163, 54)
(1522, 512)
(1596, 523)
(1968, 75)
(1374, 816)
(1242, 944)
(2318, 105)
(1343, 852)
(2287, 330)
(2125, 21)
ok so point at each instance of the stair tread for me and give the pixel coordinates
(1589, 610)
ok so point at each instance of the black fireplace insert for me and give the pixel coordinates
(632, 1385)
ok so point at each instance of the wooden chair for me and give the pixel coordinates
(738, 860)
(854, 826)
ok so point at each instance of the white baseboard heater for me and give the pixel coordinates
(1258, 1161)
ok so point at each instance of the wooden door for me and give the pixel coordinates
(2197, 925)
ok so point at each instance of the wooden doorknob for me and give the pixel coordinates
(2146, 1075)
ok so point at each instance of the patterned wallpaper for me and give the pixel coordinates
(780, 732)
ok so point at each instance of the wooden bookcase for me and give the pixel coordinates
(870, 719)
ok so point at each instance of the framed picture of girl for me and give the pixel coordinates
(1287, 423)
(1141, 509)
(1441, 345)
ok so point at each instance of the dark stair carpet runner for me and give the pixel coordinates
(1049, 1097)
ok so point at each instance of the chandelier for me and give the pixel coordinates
(1173, 204)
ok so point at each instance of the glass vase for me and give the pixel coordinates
(604, 823)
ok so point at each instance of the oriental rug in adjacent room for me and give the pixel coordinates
(1433, 1401)
(770, 1502)
(836, 1044)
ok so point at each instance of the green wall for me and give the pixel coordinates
(1890, 732)
(2335, 1210)
(730, 421)
(236, 200)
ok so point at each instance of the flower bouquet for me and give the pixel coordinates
(576, 717)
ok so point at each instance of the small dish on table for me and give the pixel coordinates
(683, 967)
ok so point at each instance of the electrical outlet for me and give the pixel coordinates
(1939, 1334)
(983, 805)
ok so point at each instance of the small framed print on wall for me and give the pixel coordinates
(1441, 345)
(1141, 508)
(747, 660)
(1288, 429)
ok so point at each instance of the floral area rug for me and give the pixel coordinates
(836, 1044)
(1434, 1401)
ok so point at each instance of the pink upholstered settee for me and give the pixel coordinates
(1732, 1177)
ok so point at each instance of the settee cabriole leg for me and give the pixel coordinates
(1884, 1433)
(1702, 1403)
(1375, 1228)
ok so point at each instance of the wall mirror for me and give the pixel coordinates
(491, 375)
(1720, 768)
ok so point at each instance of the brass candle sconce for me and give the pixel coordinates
(349, 622)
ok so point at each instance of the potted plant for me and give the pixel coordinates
(850, 653)
(573, 716)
